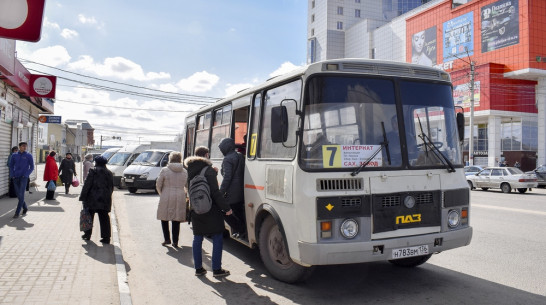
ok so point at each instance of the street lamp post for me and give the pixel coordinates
(471, 135)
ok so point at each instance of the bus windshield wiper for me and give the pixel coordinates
(384, 144)
(428, 143)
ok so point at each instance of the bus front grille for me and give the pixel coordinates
(424, 198)
(350, 184)
(351, 202)
(390, 201)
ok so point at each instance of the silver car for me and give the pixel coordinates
(504, 178)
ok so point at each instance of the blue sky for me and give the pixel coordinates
(207, 48)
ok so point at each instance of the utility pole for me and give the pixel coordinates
(471, 140)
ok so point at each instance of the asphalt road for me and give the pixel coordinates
(504, 264)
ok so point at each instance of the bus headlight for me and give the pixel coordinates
(349, 228)
(453, 218)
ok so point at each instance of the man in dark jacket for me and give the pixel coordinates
(20, 167)
(97, 197)
(233, 168)
(212, 222)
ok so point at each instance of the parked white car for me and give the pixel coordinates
(504, 178)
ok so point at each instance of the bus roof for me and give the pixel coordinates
(354, 65)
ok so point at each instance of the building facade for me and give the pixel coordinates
(493, 48)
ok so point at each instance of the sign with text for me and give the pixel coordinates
(461, 95)
(21, 20)
(42, 85)
(50, 119)
(336, 156)
(500, 25)
(458, 37)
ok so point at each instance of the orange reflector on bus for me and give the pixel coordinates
(326, 226)
(464, 213)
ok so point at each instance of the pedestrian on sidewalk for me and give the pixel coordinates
(211, 222)
(172, 197)
(97, 197)
(67, 170)
(11, 191)
(21, 166)
(87, 165)
(51, 173)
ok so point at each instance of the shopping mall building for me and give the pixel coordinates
(502, 39)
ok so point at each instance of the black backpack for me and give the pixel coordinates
(199, 193)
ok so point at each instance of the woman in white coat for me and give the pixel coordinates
(172, 197)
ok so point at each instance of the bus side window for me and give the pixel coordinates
(220, 130)
(189, 147)
(273, 98)
(203, 128)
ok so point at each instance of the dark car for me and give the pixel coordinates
(540, 172)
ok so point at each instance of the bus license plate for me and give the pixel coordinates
(410, 251)
(128, 180)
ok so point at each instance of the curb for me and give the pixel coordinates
(123, 284)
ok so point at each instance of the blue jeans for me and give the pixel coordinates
(217, 244)
(20, 185)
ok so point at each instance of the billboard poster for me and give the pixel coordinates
(500, 25)
(458, 37)
(457, 3)
(461, 95)
(423, 47)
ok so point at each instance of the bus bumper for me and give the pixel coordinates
(360, 252)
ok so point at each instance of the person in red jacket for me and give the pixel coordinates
(51, 173)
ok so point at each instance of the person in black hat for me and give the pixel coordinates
(67, 171)
(96, 196)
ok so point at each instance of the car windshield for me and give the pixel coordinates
(119, 158)
(353, 120)
(108, 154)
(150, 158)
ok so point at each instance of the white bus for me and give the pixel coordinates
(347, 161)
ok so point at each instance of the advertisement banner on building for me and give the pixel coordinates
(458, 38)
(21, 20)
(20, 79)
(423, 47)
(461, 95)
(500, 25)
(42, 85)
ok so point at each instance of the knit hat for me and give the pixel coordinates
(100, 160)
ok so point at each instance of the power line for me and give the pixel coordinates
(120, 83)
(119, 107)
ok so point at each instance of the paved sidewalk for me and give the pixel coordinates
(43, 259)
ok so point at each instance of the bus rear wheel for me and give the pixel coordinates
(275, 255)
(411, 261)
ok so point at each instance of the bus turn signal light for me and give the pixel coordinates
(326, 229)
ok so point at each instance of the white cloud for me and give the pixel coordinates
(284, 68)
(52, 25)
(232, 89)
(198, 82)
(69, 34)
(51, 56)
(86, 20)
(116, 67)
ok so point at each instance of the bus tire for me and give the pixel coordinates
(132, 190)
(275, 256)
(411, 261)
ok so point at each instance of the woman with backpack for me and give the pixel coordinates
(210, 222)
(172, 197)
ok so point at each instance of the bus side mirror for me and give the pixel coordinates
(460, 126)
(279, 124)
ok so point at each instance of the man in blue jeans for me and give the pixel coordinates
(20, 167)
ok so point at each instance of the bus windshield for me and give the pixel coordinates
(353, 120)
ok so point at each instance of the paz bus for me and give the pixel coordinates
(347, 161)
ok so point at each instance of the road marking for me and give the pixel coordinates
(509, 209)
(123, 284)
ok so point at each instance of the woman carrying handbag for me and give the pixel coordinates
(67, 171)
(51, 173)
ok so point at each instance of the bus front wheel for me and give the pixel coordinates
(411, 261)
(275, 255)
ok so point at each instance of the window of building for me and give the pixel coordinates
(511, 136)
(481, 141)
(340, 10)
(529, 136)
(312, 4)
(312, 32)
(313, 18)
(357, 1)
(340, 25)
(357, 13)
